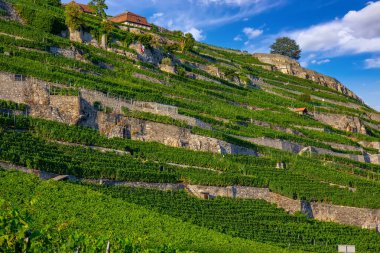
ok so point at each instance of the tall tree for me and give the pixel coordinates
(187, 42)
(100, 8)
(73, 16)
(286, 46)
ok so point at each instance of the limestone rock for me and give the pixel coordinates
(150, 55)
(291, 67)
(168, 69)
(342, 122)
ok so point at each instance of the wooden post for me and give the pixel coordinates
(108, 247)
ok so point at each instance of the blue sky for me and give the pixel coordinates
(340, 38)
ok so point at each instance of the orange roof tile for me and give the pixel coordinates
(300, 109)
(85, 8)
(130, 17)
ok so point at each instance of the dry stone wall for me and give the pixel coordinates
(90, 97)
(301, 149)
(80, 110)
(360, 217)
(114, 125)
(36, 94)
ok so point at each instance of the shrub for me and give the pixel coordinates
(166, 61)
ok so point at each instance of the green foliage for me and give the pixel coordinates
(100, 7)
(166, 61)
(145, 39)
(73, 16)
(187, 42)
(251, 219)
(305, 97)
(286, 46)
(85, 217)
(40, 19)
(6, 104)
(16, 236)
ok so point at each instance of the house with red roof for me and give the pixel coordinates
(131, 19)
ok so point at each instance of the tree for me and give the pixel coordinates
(286, 46)
(106, 28)
(73, 16)
(54, 2)
(187, 42)
(100, 8)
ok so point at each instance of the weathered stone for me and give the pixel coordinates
(342, 122)
(113, 125)
(35, 93)
(368, 144)
(168, 69)
(150, 55)
(360, 217)
(291, 67)
(12, 14)
(304, 150)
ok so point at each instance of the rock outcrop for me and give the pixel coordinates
(291, 67)
(342, 122)
(11, 13)
(149, 55)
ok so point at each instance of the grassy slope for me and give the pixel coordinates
(77, 208)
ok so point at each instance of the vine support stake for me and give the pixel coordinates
(108, 247)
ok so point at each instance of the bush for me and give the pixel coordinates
(166, 61)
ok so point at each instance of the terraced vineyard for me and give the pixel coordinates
(221, 118)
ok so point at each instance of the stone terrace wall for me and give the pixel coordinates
(299, 149)
(114, 125)
(35, 93)
(118, 103)
(360, 217)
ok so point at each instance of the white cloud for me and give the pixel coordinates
(320, 62)
(197, 34)
(252, 33)
(373, 63)
(157, 15)
(201, 15)
(238, 38)
(357, 32)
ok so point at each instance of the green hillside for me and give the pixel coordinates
(163, 115)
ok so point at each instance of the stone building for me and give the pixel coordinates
(132, 19)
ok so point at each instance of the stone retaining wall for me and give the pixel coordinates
(300, 149)
(360, 217)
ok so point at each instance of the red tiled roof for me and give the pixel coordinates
(300, 109)
(86, 8)
(130, 17)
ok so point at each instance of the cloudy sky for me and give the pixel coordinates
(340, 38)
